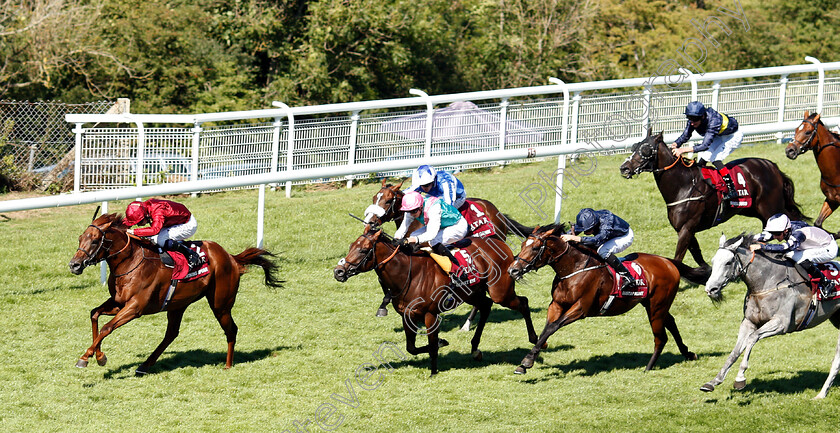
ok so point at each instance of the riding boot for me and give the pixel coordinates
(628, 283)
(825, 285)
(731, 193)
(193, 259)
(457, 277)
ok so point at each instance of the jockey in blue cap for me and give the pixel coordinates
(609, 235)
(438, 184)
(720, 137)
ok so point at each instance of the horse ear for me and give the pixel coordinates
(649, 131)
(738, 244)
(722, 240)
(807, 113)
(535, 230)
(383, 182)
(548, 233)
(400, 185)
(817, 118)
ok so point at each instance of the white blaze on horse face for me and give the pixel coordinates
(529, 242)
(342, 262)
(801, 127)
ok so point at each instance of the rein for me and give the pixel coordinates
(582, 270)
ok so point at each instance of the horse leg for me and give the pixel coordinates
(671, 326)
(746, 329)
(694, 249)
(554, 322)
(827, 208)
(773, 327)
(125, 315)
(660, 337)
(684, 236)
(485, 305)
(470, 319)
(173, 326)
(382, 311)
(835, 365)
(520, 304)
(432, 328)
(108, 308)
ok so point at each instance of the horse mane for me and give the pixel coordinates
(746, 237)
(114, 218)
(834, 134)
(563, 227)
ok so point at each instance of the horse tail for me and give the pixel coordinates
(792, 208)
(699, 275)
(515, 228)
(259, 257)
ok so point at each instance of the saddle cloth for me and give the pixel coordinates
(831, 270)
(464, 266)
(181, 270)
(479, 223)
(641, 290)
(744, 199)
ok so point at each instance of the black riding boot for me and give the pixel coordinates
(628, 282)
(193, 259)
(731, 194)
(826, 286)
(441, 250)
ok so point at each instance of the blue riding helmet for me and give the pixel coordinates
(586, 220)
(695, 109)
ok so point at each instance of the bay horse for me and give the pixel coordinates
(812, 134)
(778, 301)
(138, 284)
(386, 207)
(692, 203)
(583, 283)
(420, 290)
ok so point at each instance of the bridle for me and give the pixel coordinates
(531, 264)
(806, 145)
(652, 160)
(91, 257)
(354, 268)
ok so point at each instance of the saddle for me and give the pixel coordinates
(479, 223)
(714, 178)
(180, 268)
(831, 271)
(641, 290)
(464, 271)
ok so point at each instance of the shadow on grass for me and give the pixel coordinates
(461, 359)
(809, 382)
(171, 360)
(454, 321)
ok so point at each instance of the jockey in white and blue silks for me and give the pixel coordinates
(438, 184)
(442, 223)
(804, 244)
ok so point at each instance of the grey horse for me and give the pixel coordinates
(778, 301)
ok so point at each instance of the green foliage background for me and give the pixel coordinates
(297, 346)
(182, 56)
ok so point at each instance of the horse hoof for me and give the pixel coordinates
(442, 343)
(102, 360)
(477, 355)
(82, 363)
(707, 387)
(466, 326)
(520, 370)
(691, 356)
(527, 363)
(381, 312)
(739, 384)
(140, 372)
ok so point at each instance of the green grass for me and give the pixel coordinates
(299, 345)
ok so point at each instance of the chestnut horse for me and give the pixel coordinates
(692, 203)
(386, 207)
(583, 285)
(813, 135)
(138, 284)
(421, 291)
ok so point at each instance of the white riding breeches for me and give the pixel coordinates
(446, 235)
(815, 255)
(721, 147)
(616, 245)
(176, 233)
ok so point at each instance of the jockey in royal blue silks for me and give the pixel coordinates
(609, 235)
(438, 184)
(720, 137)
(801, 242)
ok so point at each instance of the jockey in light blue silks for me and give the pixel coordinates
(802, 243)
(438, 184)
(442, 223)
(720, 137)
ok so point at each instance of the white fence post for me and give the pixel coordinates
(196, 140)
(715, 94)
(781, 116)
(430, 119)
(354, 133)
(561, 160)
(820, 84)
(103, 265)
(290, 152)
(77, 170)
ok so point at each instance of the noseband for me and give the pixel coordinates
(91, 257)
(804, 147)
(530, 264)
(353, 268)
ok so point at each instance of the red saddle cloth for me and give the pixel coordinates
(831, 270)
(478, 221)
(744, 199)
(466, 266)
(641, 290)
(182, 271)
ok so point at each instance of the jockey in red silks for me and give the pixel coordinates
(442, 223)
(170, 223)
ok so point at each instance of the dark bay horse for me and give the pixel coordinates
(386, 207)
(420, 290)
(777, 302)
(692, 203)
(813, 135)
(138, 284)
(583, 284)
